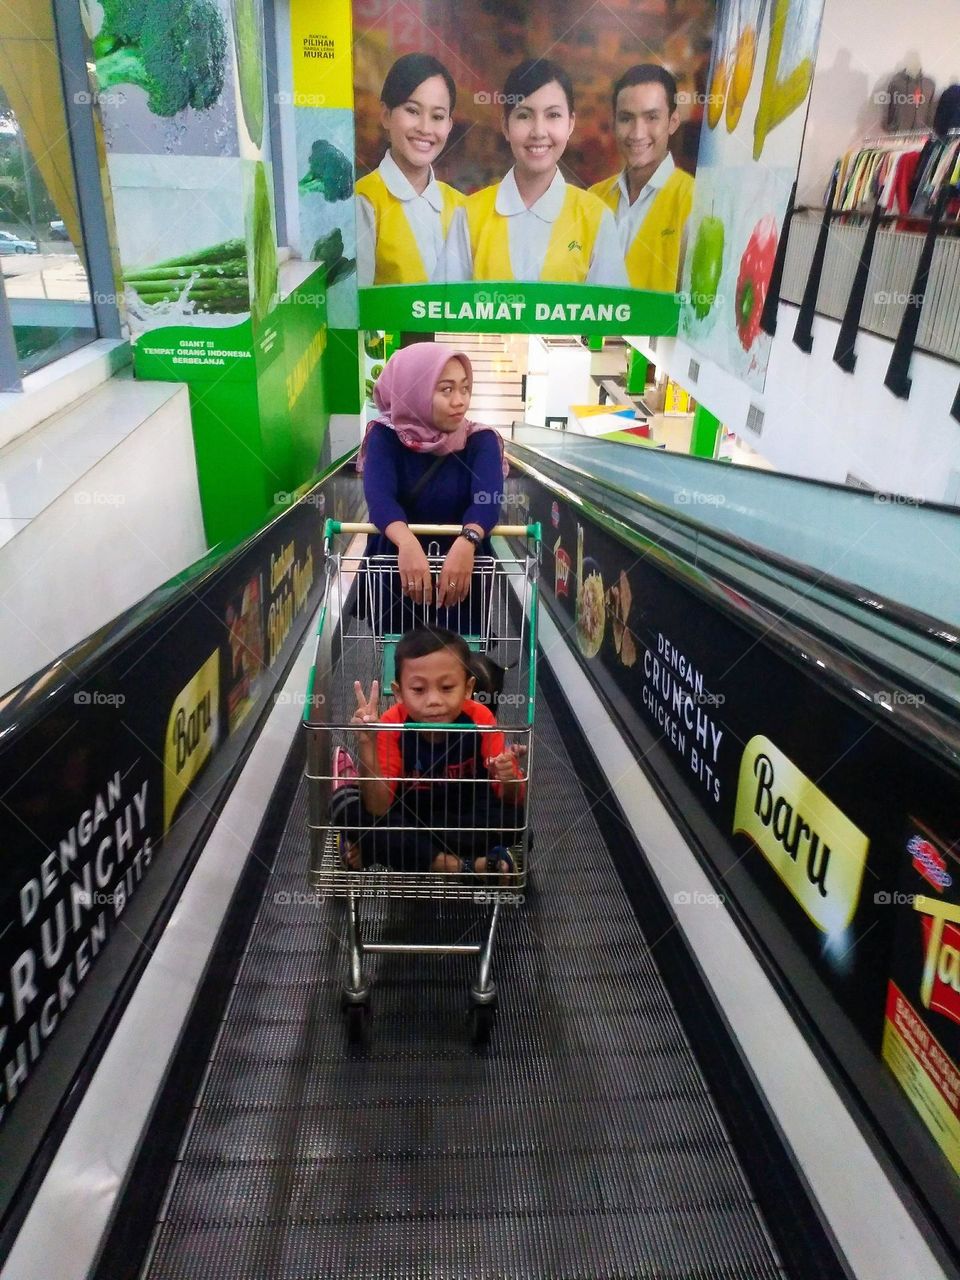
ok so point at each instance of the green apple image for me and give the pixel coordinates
(706, 265)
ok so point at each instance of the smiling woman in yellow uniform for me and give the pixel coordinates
(532, 225)
(403, 212)
(651, 198)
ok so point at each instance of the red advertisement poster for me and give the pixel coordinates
(921, 1039)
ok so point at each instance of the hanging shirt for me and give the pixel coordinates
(520, 243)
(400, 231)
(947, 115)
(909, 102)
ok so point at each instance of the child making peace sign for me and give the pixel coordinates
(447, 800)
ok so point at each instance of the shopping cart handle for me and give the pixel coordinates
(503, 530)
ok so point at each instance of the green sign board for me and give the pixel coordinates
(513, 307)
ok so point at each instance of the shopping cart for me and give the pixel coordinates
(466, 812)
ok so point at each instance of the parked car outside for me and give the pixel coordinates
(9, 243)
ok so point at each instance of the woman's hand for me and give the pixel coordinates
(413, 566)
(456, 573)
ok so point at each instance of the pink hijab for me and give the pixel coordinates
(404, 396)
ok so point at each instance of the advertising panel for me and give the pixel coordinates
(804, 792)
(921, 1038)
(180, 89)
(496, 181)
(830, 828)
(106, 790)
(322, 60)
(756, 101)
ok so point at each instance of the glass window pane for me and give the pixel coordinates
(41, 248)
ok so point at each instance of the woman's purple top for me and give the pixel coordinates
(466, 488)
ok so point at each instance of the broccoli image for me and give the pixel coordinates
(174, 49)
(329, 250)
(330, 172)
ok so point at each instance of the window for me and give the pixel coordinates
(42, 258)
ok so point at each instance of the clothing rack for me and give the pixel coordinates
(903, 172)
(899, 135)
(938, 168)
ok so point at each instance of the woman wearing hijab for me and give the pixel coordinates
(424, 462)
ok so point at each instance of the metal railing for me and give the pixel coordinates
(889, 283)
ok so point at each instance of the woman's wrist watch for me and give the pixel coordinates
(471, 536)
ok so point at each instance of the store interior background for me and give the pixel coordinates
(813, 419)
(818, 421)
(81, 424)
(117, 488)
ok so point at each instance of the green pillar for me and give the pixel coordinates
(343, 371)
(705, 433)
(636, 372)
(595, 342)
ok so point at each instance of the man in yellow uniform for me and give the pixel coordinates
(651, 198)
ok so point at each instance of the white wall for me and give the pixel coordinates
(825, 424)
(862, 44)
(126, 526)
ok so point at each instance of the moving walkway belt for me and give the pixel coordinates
(583, 1142)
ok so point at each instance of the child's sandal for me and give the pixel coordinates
(502, 863)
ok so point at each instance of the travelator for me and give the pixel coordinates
(727, 1039)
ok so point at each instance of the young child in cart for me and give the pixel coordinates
(447, 801)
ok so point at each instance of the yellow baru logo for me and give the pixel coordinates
(574, 244)
(192, 730)
(814, 848)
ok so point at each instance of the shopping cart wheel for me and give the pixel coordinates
(482, 1019)
(357, 1021)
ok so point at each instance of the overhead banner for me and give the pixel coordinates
(757, 92)
(499, 186)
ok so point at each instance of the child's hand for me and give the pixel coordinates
(505, 767)
(368, 708)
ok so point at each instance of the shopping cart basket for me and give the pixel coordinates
(463, 813)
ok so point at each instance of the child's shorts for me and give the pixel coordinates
(413, 831)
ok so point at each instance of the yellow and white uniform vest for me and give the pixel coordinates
(400, 255)
(653, 255)
(569, 249)
(565, 236)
